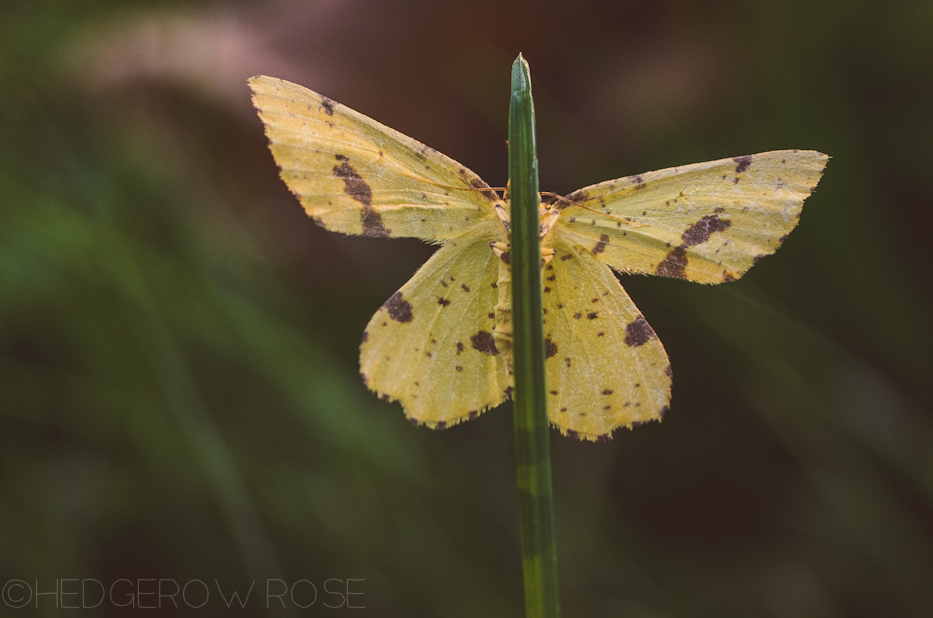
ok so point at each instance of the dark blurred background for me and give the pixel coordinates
(179, 396)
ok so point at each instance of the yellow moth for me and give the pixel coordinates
(441, 345)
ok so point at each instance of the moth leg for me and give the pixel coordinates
(500, 249)
(502, 211)
(548, 217)
(502, 332)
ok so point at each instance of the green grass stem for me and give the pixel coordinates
(532, 440)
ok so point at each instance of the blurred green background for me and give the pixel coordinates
(179, 396)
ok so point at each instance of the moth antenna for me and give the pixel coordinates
(495, 190)
(558, 198)
(570, 202)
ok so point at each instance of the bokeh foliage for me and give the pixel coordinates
(178, 382)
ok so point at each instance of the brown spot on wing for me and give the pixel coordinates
(372, 223)
(742, 163)
(575, 197)
(601, 245)
(638, 333)
(443, 302)
(699, 232)
(674, 264)
(358, 190)
(354, 185)
(476, 183)
(328, 106)
(441, 425)
(485, 343)
(550, 348)
(365, 337)
(399, 309)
